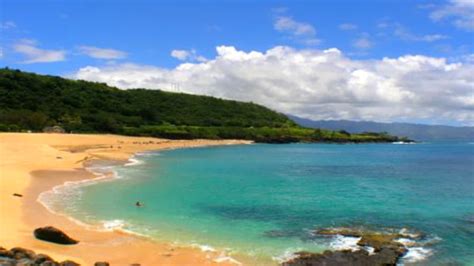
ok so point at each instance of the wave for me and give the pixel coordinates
(113, 224)
(288, 255)
(70, 191)
(132, 161)
(341, 242)
(416, 254)
(225, 258)
(102, 173)
(403, 143)
(415, 243)
(204, 248)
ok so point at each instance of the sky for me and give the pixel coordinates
(388, 61)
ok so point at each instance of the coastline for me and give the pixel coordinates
(34, 163)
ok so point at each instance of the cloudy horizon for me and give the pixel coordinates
(386, 72)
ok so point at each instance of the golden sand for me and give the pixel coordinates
(33, 163)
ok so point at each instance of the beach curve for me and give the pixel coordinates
(35, 163)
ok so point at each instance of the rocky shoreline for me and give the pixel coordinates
(374, 248)
(26, 257)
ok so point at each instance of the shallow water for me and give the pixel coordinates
(263, 202)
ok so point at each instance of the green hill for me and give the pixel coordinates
(31, 102)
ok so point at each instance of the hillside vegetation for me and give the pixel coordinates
(31, 102)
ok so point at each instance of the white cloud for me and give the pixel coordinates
(34, 54)
(299, 31)
(347, 26)
(362, 43)
(180, 54)
(288, 24)
(406, 35)
(315, 84)
(459, 12)
(5, 25)
(187, 55)
(102, 53)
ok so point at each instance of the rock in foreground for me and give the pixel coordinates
(20, 256)
(25, 257)
(52, 234)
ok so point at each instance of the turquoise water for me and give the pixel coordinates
(260, 201)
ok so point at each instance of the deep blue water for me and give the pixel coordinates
(263, 201)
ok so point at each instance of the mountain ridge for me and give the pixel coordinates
(420, 132)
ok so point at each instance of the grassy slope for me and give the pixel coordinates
(30, 102)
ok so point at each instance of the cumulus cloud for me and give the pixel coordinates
(347, 26)
(102, 53)
(33, 54)
(317, 84)
(299, 31)
(187, 55)
(459, 12)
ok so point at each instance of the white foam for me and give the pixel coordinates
(341, 242)
(224, 258)
(288, 255)
(406, 232)
(402, 142)
(406, 242)
(204, 248)
(112, 225)
(133, 161)
(416, 254)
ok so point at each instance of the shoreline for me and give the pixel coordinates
(52, 160)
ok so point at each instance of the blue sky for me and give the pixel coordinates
(62, 37)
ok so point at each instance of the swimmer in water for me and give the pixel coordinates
(138, 204)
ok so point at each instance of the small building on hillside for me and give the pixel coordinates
(54, 129)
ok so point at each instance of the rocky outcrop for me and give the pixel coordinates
(52, 234)
(20, 256)
(384, 247)
(25, 257)
(344, 257)
(69, 263)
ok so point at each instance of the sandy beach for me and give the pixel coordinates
(33, 163)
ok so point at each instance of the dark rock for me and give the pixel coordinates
(386, 257)
(25, 262)
(20, 253)
(69, 263)
(340, 231)
(101, 263)
(387, 251)
(54, 235)
(49, 263)
(40, 258)
(6, 253)
(380, 241)
(4, 261)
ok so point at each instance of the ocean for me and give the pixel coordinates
(260, 203)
